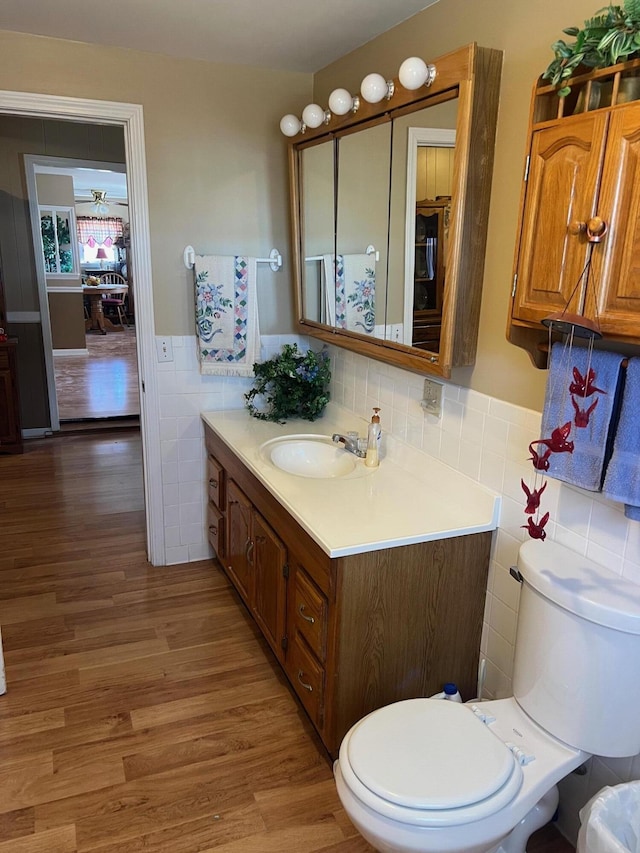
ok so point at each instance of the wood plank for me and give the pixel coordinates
(160, 723)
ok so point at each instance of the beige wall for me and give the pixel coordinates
(216, 161)
(524, 31)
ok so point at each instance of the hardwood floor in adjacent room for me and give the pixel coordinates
(144, 712)
(101, 384)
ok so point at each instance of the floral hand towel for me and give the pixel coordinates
(355, 294)
(227, 330)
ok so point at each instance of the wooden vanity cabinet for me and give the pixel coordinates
(358, 632)
(580, 165)
(10, 431)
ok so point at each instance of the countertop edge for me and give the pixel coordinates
(250, 434)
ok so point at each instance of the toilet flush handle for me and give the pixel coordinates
(515, 574)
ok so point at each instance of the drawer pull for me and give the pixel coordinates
(309, 619)
(303, 683)
(213, 484)
(213, 529)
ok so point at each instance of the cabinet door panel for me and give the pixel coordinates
(616, 260)
(238, 540)
(269, 560)
(562, 188)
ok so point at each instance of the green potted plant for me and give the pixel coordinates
(292, 384)
(611, 36)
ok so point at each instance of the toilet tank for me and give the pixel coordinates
(577, 659)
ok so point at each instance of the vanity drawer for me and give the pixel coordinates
(308, 680)
(215, 529)
(310, 614)
(215, 481)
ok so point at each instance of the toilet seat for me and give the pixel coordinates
(429, 763)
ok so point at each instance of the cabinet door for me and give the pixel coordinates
(562, 188)
(239, 544)
(616, 260)
(270, 584)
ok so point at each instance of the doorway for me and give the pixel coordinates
(130, 118)
(95, 374)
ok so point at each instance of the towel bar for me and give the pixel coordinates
(543, 347)
(370, 250)
(274, 260)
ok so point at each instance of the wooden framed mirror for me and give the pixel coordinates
(355, 195)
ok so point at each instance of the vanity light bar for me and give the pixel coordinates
(413, 74)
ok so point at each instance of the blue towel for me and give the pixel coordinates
(622, 482)
(582, 389)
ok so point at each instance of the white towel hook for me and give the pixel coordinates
(189, 257)
(371, 250)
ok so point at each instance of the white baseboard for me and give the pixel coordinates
(84, 351)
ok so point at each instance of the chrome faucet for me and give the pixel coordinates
(351, 443)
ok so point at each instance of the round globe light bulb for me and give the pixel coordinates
(313, 115)
(290, 125)
(374, 88)
(413, 73)
(340, 102)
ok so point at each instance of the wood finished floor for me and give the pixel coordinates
(143, 712)
(101, 384)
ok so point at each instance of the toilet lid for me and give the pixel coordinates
(428, 754)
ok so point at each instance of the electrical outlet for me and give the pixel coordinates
(164, 349)
(432, 398)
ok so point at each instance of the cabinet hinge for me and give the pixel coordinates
(526, 168)
(285, 571)
(515, 284)
(284, 642)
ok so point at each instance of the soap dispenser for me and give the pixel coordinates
(372, 459)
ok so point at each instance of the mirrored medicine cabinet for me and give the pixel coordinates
(389, 216)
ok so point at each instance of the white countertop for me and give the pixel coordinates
(387, 507)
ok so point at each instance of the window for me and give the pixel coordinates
(58, 249)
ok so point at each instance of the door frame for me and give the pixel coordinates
(130, 118)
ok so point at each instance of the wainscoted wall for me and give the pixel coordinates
(183, 394)
(483, 437)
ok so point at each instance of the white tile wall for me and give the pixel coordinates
(485, 438)
(184, 393)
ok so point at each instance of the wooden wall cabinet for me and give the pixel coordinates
(580, 165)
(358, 632)
(10, 430)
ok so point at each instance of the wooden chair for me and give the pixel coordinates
(117, 298)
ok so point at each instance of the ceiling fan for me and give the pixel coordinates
(100, 205)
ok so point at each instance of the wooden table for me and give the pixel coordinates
(98, 322)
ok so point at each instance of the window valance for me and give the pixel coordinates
(99, 230)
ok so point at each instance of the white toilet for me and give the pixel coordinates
(436, 776)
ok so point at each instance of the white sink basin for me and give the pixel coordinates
(312, 456)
